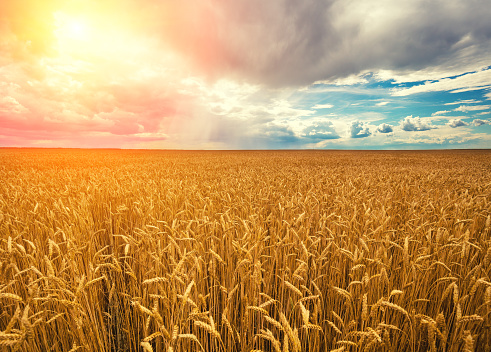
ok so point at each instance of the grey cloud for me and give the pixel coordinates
(250, 134)
(415, 124)
(284, 42)
(255, 134)
(454, 123)
(385, 128)
(272, 137)
(282, 134)
(479, 122)
(289, 42)
(358, 130)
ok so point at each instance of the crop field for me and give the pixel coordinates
(127, 250)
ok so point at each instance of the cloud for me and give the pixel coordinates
(445, 140)
(441, 112)
(322, 106)
(9, 105)
(466, 101)
(454, 123)
(412, 124)
(320, 131)
(279, 135)
(466, 108)
(350, 80)
(479, 122)
(385, 128)
(287, 42)
(227, 73)
(467, 82)
(357, 129)
(280, 42)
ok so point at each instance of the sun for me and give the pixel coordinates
(69, 27)
(77, 30)
(85, 42)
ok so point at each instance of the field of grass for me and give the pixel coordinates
(115, 250)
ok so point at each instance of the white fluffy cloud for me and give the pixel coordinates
(358, 129)
(454, 123)
(385, 128)
(479, 122)
(320, 131)
(412, 124)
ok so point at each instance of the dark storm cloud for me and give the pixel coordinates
(298, 42)
(283, 42)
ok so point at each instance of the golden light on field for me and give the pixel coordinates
(113, 250)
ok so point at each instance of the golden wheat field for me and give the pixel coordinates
(111, 250)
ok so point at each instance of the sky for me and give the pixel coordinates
(245, 74)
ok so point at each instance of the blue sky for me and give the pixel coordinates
(246, 74)
(417, 114)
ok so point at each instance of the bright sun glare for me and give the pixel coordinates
(81, 38)
(71, 27)
(77, 30)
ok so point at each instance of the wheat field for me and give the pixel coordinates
(113, 250)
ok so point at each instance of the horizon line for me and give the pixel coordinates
(239, 150)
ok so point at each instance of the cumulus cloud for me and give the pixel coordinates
(412, 124)
(385, 128)
(479, 122)
(454, 123)
(357, 129)
(320, 131)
